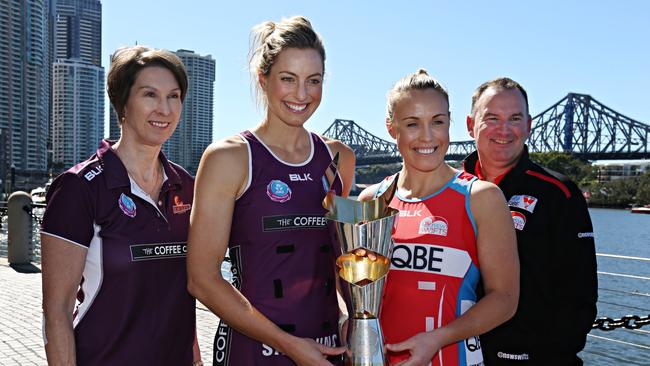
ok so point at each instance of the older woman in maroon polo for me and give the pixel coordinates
(115, 229)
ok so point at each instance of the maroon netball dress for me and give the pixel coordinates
(281, 252)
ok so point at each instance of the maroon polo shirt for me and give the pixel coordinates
(132, 305)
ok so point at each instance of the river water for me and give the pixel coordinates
(618, 233)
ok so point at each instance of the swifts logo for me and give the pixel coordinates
(435, 225)
(278, 191)
(179, 207)
(127, 205)
(518, 219)
(524, 202)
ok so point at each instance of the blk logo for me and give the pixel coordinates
(300, 177)
(93, 173)
(407, 213)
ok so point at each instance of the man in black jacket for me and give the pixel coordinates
(557, 302)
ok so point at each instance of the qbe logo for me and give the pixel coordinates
(417, 257)
(430, 258)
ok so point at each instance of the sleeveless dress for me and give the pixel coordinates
(282, 254)
(434, 270)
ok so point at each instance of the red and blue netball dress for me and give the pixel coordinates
(133, 307)
(281, 252)
(434, 270)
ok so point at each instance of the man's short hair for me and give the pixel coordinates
(499, 83)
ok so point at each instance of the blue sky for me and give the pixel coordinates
(601, 48)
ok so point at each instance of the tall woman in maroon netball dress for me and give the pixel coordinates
(452, 233)
(259, 195)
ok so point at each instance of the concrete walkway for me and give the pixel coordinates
(21, 339)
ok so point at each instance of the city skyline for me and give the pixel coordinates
(52, 91)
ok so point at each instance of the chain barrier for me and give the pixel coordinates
(35, 217)
(627, 322)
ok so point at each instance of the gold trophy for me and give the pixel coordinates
(364, 232)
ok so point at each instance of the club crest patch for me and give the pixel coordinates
(435, 225)
(126, 205)
(518, 219)
(179, 207)
(278, 191)
(524, 202)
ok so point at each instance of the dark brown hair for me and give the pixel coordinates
(126, 64)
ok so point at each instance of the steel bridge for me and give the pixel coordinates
(578, 124)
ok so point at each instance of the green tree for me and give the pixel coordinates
(621, 192)
(372, 174)
(581, 172)
(643, 191)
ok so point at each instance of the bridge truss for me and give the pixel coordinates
(583, 126)
(577, 124)
(368, 148)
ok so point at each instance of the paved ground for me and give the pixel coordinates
(21, 341)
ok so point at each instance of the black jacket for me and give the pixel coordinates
(557, 302)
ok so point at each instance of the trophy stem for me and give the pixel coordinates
(365, 343)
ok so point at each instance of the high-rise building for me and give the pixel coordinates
(24, 85)
(77, 82)
(78, 110)
(78, 30)
(114, 131)
(194, 131)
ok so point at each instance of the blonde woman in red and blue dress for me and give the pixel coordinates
(454, 233)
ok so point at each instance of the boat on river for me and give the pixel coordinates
(642, 209)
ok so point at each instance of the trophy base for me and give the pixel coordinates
(365, 343)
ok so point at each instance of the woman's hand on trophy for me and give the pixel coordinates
(307, 352)
(421, 346)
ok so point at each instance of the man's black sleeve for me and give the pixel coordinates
(576, 283)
